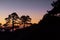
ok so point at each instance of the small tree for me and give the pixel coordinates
(25, 19)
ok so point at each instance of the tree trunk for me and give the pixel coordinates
(24, 25)
(12, 24)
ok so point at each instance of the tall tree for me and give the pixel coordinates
(12, 17)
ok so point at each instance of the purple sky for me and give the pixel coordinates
(34, 8)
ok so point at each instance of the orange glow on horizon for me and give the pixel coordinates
(32, 21)
(35, 17)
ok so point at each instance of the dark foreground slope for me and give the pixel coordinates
(50, 23)
(45, 30)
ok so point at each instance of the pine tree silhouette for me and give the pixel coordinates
(12, 17)
(25, 19)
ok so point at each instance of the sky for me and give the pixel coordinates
(34, 8)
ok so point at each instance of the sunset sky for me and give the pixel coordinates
(34, 8)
